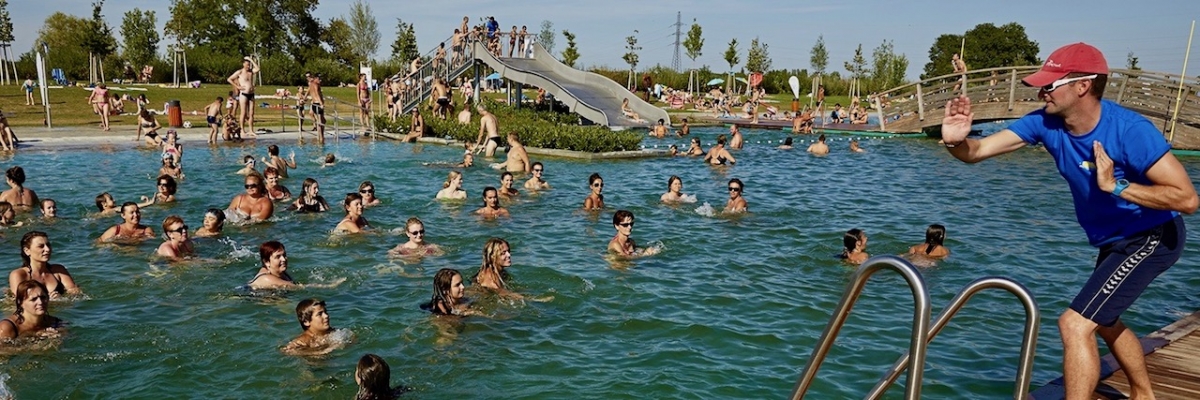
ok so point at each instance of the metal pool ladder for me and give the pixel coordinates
(914, 360)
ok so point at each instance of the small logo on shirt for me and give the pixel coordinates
(1087, 166)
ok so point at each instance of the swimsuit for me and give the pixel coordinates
(58, 287)
(497, 140)
(212, 120)
(443, 101)
(318, 108)
(316, 206)
(248, 96)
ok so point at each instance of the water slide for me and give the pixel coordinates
(590, 95)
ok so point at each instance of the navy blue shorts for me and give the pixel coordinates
(1125, 268)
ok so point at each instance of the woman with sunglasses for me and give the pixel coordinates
(491, 204)
(622, 244)
(736, 203)
(354, 221)
(177, 244)
(695, 150)
(367, 190)
(537, 182)
(416, 244)
(254, 203)
(310, 200)
(595, 200)
(165, 190)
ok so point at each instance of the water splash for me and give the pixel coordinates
(237, 252)
(5, 394)
(687, 198)
(706, 210)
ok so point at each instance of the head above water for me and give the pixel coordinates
(305, 310)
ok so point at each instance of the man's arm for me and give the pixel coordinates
(956, 125)
(233, 80)
(1170, 188)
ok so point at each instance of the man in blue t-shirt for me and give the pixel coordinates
(1128, 191)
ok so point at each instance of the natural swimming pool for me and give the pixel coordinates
(730, 309)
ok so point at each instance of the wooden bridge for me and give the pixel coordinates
(998, 94)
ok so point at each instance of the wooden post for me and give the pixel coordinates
(1121, 93)
(1012, 88)
(920, 103)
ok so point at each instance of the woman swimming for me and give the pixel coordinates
(214, 223)
(273, 273)
(506, 190)
(275, 191)
(416, 245)
(448, 294)
(35, 265)
(695, 150)
(452, 188)
(132, 228)
(491, 204)
(354, 221)
(170, 168)
(310, 200)
(373, 377)
(854, 245)
(536, 182)
(177, 244)
(496, 260)
(32, 316)
(367, 190)
(674, 192)
(736, 203)
(165, 190)
(718, 154)
(595, 200)
(8, 215)
(935, 235)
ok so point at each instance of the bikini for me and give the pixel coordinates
(58, 286)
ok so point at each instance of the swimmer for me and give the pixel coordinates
(131, 229)
(718, 154)
(819, 148)
(316, 337)
(373, 377)
(660, 130)
(49, 208)
(170, 168)
(464, 116)
(536, 182)
(452, 188)
(787, 144)
(254, 203)
(674, 192)
(274, 160)
(737, 203)
(149, 126)
(416, 245)
(106, 205)
(367, 190)
(248, 169)
(932, 248)
(354, 221)
(517, 160)
(32, 316)
(275, 191)
(673, 151)
(695, 150)
(273, 273)
(854, 146)
(448, 294)
(735, 137)
(468, 159)
(165, 190)
(595, 200)
(36, 266)
(496, 260)
(310, 200)
(854, 245)
(491, 204)
(506, 190)
(8, 215)
(684, 129)
(622, 244)
(329, 161)
(214, 223)
(177, 244)
(22, 198)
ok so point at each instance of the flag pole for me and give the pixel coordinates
(1182, 78)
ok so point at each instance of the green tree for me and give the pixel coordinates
(207, 24)
(364, 31)
(758, 58)
(6, 25)
(65, 34)
(694, 44)
(731, 57)
(140, 31)
(1131, 62)
(404, 49)
(987, 46)
(857, 66)
(819, 56)
(98, 38)
(282, 27)
(888, 67)
(546, 36)
(339, 36)
(570, 54)
(631, 57)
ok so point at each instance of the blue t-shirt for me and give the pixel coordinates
(492, 27)
(1134, 146)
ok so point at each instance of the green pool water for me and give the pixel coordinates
(730, 309)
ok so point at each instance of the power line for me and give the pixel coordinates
(678, 28)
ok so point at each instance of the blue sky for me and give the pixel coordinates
(1156, 31)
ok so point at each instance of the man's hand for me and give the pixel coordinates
(957, 122)
(1104, 168)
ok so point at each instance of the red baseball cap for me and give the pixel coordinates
(1075, 57)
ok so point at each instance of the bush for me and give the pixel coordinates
(543, 129)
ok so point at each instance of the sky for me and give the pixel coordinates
(1155, 31)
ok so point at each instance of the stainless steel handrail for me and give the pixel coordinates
(1028, 343)
(917, 343)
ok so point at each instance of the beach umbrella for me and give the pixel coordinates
(493, 76)
(716, 81)
(742, 80)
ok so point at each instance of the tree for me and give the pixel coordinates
(758, 59)
(694, 44)
(6, 25)
(987, 46)
(819, 56)
(731, 57)
(64, 34)
(339, 36)
(140, 31)
(206, 24)
(857, 66)
(282, 27)
(570, 54)
(631, 57)
(364, 31)
(404, 49)
(889, 67)
(98, 38)
(1131, 62)
(546, 36)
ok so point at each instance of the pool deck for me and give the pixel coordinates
(76, 136)
(1172, 358)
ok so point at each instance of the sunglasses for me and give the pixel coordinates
(735, 189)
(418, 232)
(251, 186)
(368, 191)
(1063, 82)
(162, 184)
(597, 185)
(625, 224)
(182, 229)
(537, 170)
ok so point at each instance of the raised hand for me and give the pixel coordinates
(1104, 168)
(957, 122)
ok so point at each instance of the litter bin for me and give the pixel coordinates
(174, 114)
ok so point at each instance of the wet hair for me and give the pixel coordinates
(787, 141)
(491, 252)
(270, 171)
(5, 207)
(100, 200)
(218, 214)
(48, 200)
(171, 220)
(485, 192)
(450, 177)
(441, 302)
(308, 182)
(350, 198)
(267, 249)
(17, 174)
(413, 220)
(247, 159)
(23, 294)
(696, 140)
(171, 185)
(128, 204)
(330, 158)
(821, 138)
(595, 176)
(273, 150)
(306, 309)
(27, 241)
(934, 236)
(374, 376)
(620, 215)
(739, 182)
(514, 137)
(366, 184)
(672, 179)
(506, 174)
(850, 241)
(721, 139)
(536, 164)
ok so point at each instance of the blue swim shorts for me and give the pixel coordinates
(1125, 268)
